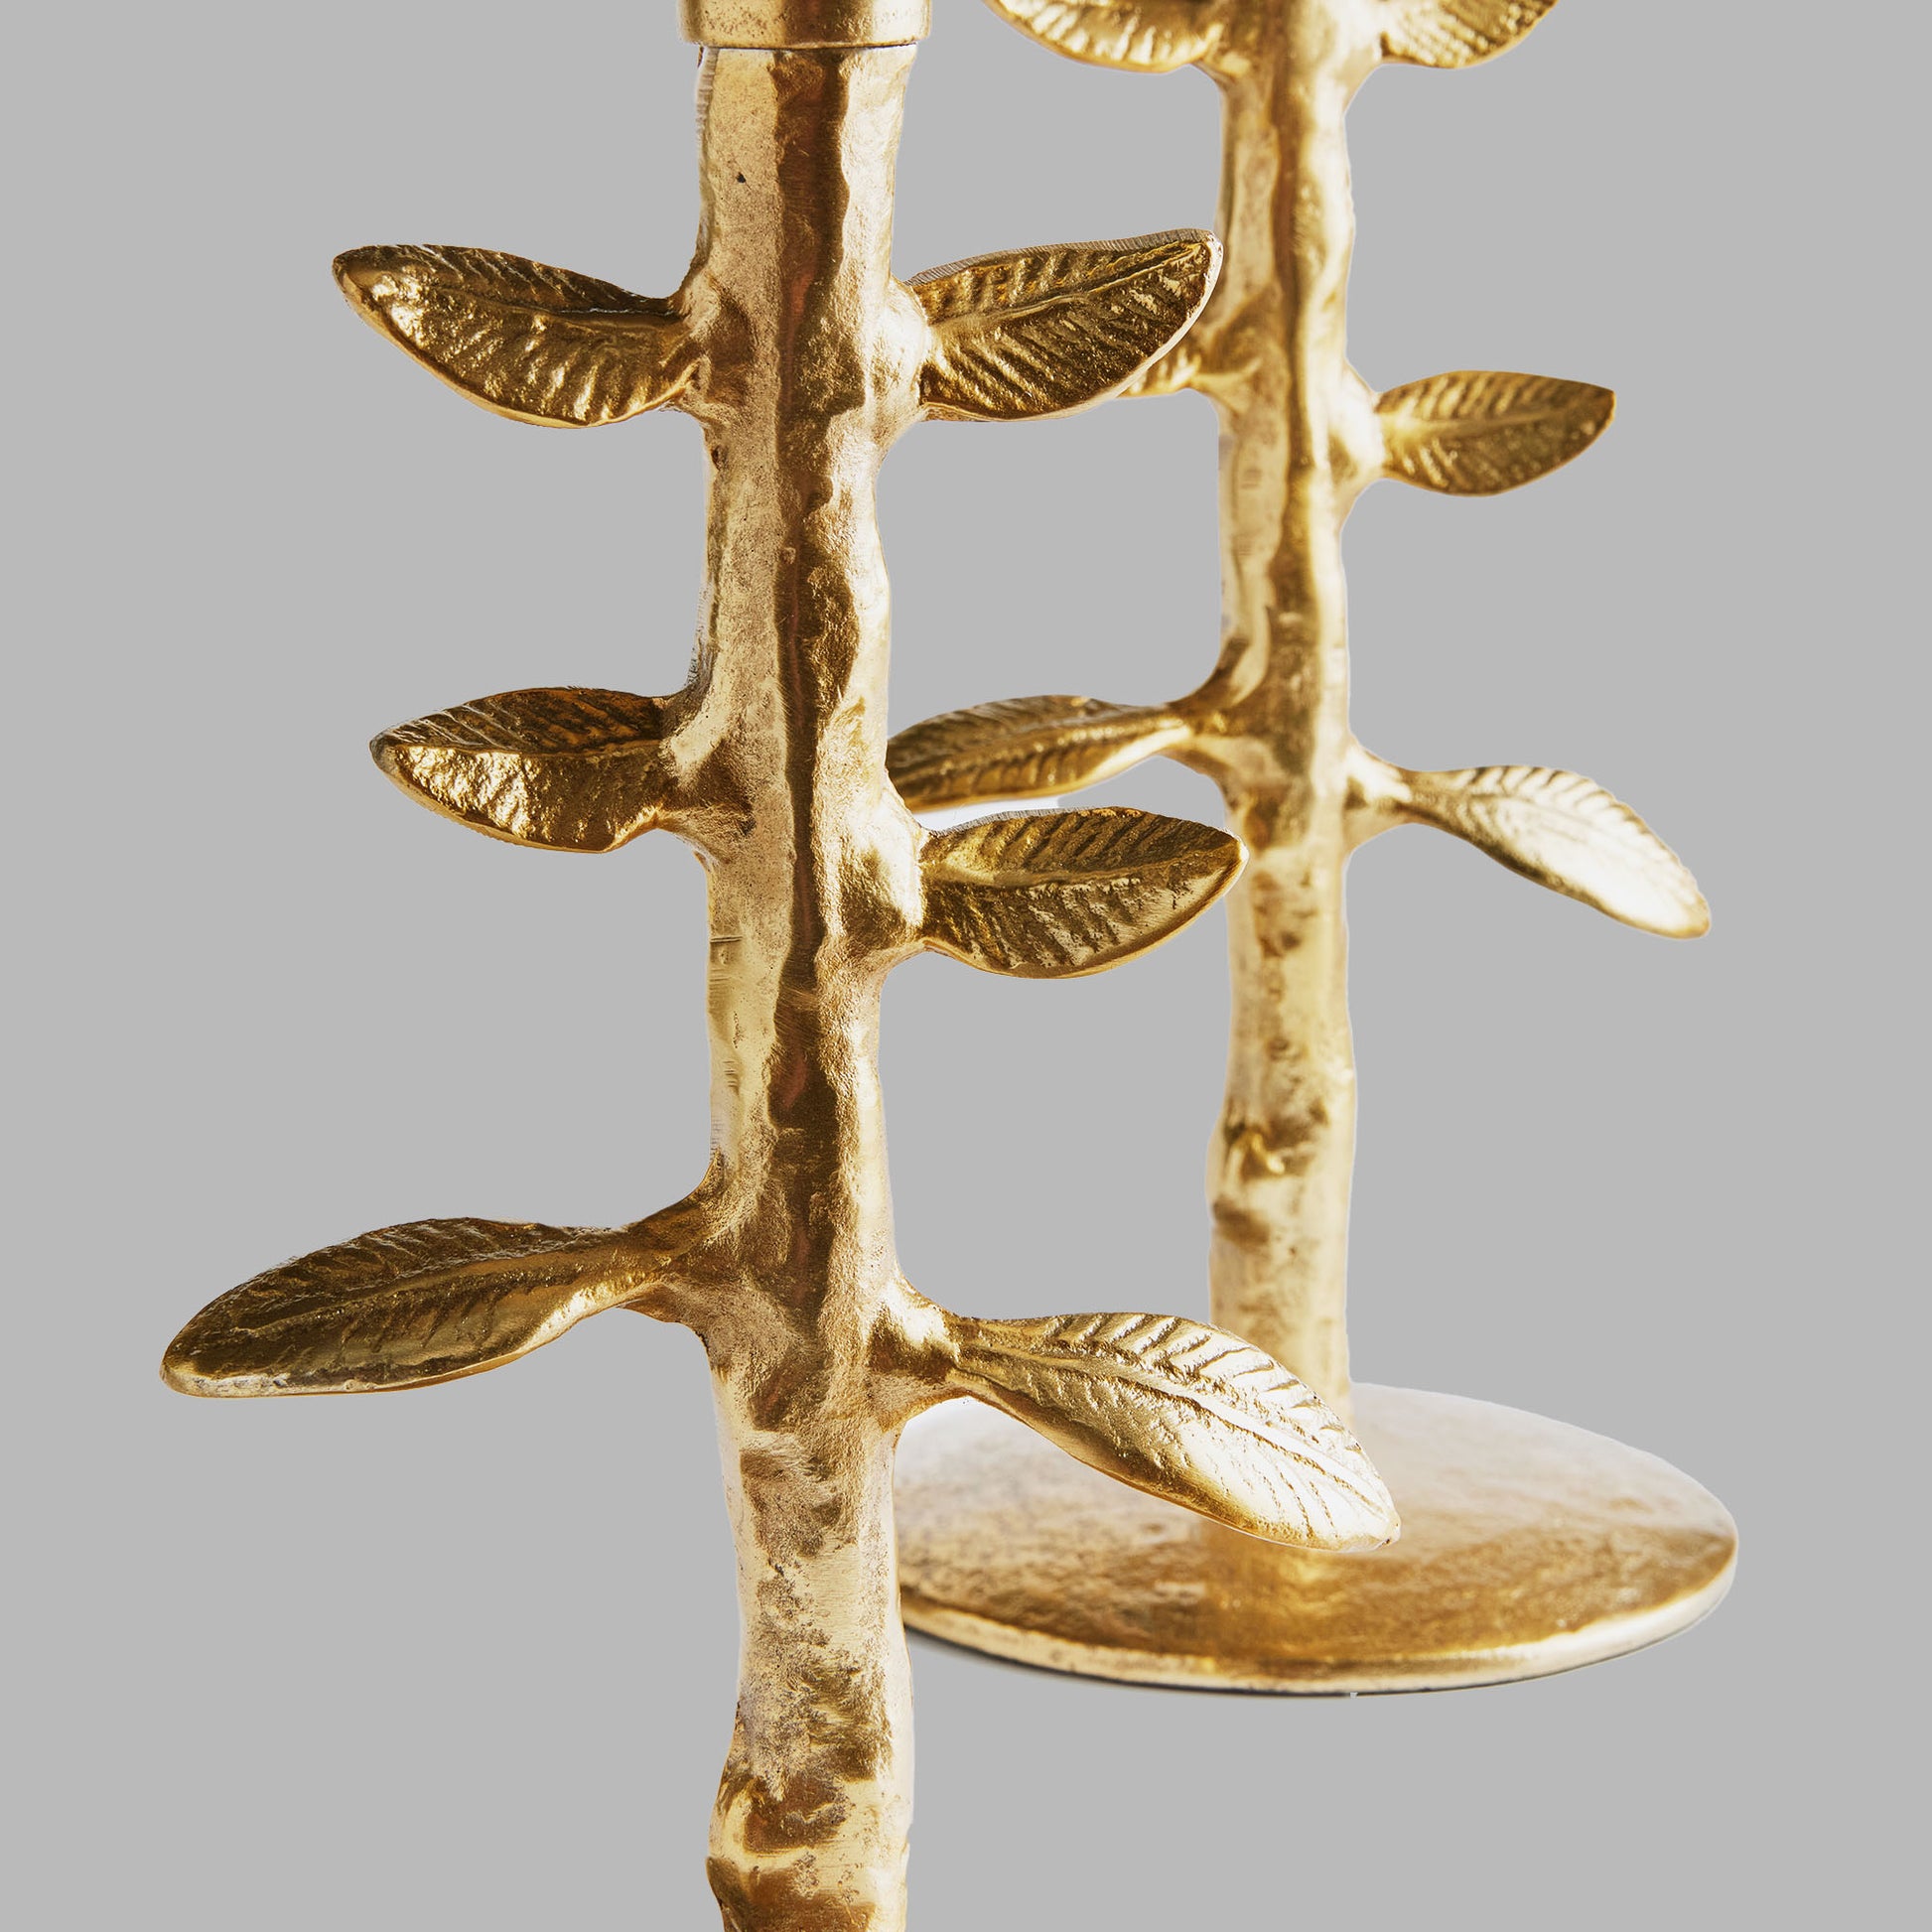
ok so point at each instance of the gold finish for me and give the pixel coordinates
(1527, 1547)
(538, 345)
(1024, 333)
(1182, 1412)
(1056, 895)
(802, 358)
(803, 23)
(1025, 747)
(1554, 827)
(1302, 437)
(573, 770)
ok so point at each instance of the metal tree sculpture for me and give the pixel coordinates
(1479, 1588)
(802, 358)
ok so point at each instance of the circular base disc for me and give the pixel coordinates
(1527, 1547)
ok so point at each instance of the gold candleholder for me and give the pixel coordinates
(802, 358)
(1528, 1546)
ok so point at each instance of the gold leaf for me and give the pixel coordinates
(1186, 1412)
(1475, 432)
(1023, 747)
(1457, 33)
(1038, 331)
(1056, 894)
(1143, 36)
(407, 1305)
(570, 770)
(1568, 834)
(540, 344)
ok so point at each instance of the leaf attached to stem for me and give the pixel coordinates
(1556, 828)
(1455, 33)
(421, 1303)
(1475, 432)
(537, 344)
(1186, 1412)
(1039, 331)
(1056, 894)
(1141, 35)
(570, 769)
(1023, 747)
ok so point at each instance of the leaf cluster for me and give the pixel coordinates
(1463, 433)
(1182, 1411)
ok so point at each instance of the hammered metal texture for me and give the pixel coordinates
(802, 358)
(1527, 1547)
(1301, 436)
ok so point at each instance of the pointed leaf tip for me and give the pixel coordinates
(566, 768)
(536, 344)
(1059, 895)
(1141, 35)
(1455, 33)
(1040, 332)
(1023, 747)
(408, 1306)
(1568, 834)
(1476, 431)
(1186, 1412)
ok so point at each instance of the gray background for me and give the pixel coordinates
(467, 1658)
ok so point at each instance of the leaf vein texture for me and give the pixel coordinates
(1188, 1413)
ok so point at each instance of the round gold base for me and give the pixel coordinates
(1527, 1547)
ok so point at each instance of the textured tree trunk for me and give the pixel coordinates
(813, 356)
(1271, 723)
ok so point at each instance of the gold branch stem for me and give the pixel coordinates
(999, 1550)
(802, 358)
(810, 1824)
(815, 894)
(1271, 724)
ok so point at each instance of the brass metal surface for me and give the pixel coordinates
(1301, 436)
(801, 358)
(1527, 1547)
(805, 23)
